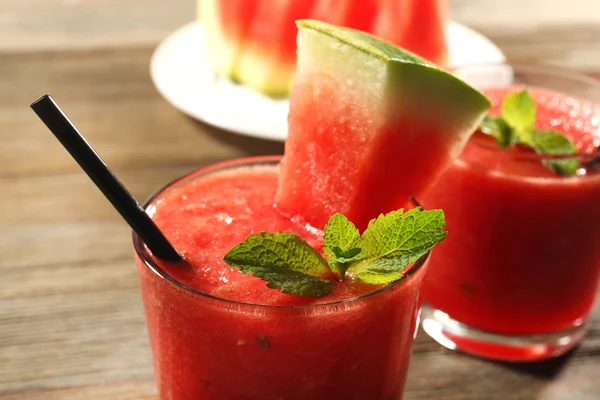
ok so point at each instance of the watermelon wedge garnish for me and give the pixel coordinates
(369, 125)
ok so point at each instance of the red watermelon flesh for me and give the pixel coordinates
(339, 158)
(416, 25)
(369, 124)
(225, 24)
(321, 168)
(268, 55)
(356, 14)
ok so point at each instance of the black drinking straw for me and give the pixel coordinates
(415, 201)
(68, 135)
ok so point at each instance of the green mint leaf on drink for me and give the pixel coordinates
(551, 142)
(340, 238)
(283, 260)
(390, 243)
(519, 111)
(516, 125)
(395, 240)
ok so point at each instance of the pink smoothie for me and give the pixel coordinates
(216, 348)
(523, 251)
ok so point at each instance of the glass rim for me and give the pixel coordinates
(583, 156)
(143, 253)
(547, 69)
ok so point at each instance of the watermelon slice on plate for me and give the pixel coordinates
(267, 57)
(369, 125)
(226, 23)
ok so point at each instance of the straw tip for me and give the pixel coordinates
(43, 98)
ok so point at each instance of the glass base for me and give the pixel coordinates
(455, 335)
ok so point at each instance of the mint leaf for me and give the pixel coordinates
(395, 240)
(519, 111)
(499, 129)
(348, 254)
(285, 261)
(517, 126)
(555, 143)
(340, 238)
(379, 274)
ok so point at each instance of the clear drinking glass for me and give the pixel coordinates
(206, 347)
(518, 274)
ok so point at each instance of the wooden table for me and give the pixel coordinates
(71, 322)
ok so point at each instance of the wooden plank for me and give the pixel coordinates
(440, 374)
(549, 31)
(570, 46)
(40, 199)
(132, 390)
(73, 339)
(529, 15)
(55, 219)
(40, 25)
(109, 96)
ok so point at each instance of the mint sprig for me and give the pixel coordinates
(516, 125)
(389, 244)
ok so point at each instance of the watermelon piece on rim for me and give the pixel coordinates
(369, 125)
(416, 25)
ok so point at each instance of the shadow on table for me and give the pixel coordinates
(547, 369)
(249, 145)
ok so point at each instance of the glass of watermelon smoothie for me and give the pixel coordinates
(518, 275)
(218, 334)
(359, 105)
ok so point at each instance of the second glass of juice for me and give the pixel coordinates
(219, 335)
(517, 277)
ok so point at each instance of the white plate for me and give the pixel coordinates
(183, 74)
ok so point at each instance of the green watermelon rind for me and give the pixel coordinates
(388, 53)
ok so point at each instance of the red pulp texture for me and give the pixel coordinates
(416, 25)
(273, 31)
(349, 13)
(522, 254)
(213, 349)
(235, 17)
